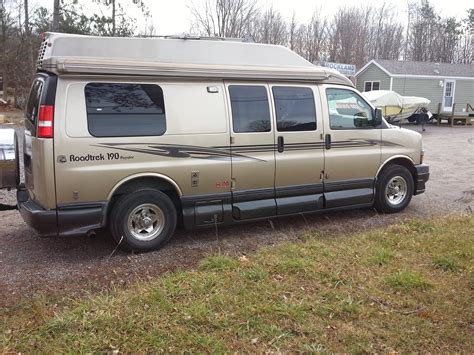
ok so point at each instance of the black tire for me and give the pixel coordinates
(400, 177)
(159, 206)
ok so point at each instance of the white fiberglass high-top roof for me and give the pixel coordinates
(65, 53)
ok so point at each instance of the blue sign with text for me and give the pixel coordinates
(346, 69)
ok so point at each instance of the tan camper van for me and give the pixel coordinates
(138, 135)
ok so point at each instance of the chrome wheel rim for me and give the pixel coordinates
(146, 222)
(396, 190)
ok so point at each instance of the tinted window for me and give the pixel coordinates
(294, 109)
(347, 110)
(368, 86)
(371, 85)
(250, 112)
(33, 104)
(125, 110)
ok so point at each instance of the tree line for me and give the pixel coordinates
(353, 35)
(21, 27)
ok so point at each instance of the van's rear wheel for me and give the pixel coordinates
(394, 189)
(143, 220)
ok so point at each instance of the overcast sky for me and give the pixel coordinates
(174, 17)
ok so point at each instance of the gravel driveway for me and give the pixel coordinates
(31, 265)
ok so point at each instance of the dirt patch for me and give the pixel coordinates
(10, 115)
(31, 265)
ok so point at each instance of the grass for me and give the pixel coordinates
(446, 263)
(408, 279)
(381, 256)
(404, 288)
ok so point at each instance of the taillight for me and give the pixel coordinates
(45, 121)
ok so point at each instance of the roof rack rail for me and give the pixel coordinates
(199, 37)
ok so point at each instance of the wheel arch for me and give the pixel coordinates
(158, 178)
(402, 160)
(143, 180)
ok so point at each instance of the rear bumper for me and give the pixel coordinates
(66, 220)
(43, 222)
(422, 176)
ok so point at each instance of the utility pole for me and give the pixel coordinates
(29, 53)
(113, 18)
(56, 16)
(3, 59)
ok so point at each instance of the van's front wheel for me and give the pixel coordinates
(143, 220)
(394, 189)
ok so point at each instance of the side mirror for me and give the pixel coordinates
(377, 117)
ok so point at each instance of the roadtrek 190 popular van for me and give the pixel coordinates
(138, 135)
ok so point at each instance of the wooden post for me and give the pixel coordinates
(452, 115)
(439, 114)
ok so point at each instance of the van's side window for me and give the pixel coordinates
(347, 110)
(250, 111)
(294, 108)
(125, 110)
(32, 106)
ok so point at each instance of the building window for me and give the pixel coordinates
(371, 85)
(125, 110)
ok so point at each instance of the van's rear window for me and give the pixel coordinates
(33, 104)
(125, 110)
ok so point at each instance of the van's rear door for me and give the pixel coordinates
(38, 152)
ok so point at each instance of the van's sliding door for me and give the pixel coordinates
(299, 154)
(252, 149)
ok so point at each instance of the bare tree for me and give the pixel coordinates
(464, 52)
(385, 40)
(272, 28)
(292, 32)
(434, 38)
(315, 38)
(224, 18)
(5, 24)
(347, 36)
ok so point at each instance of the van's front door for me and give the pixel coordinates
(252, 151)
(299, 156)
(352, 147)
